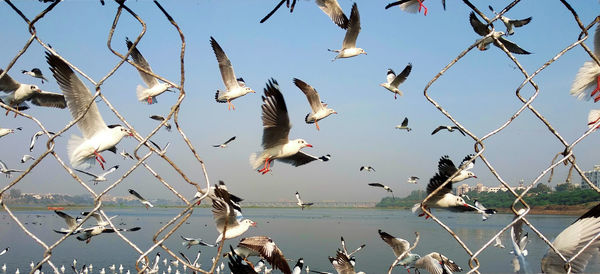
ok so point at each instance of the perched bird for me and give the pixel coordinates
(587, 81)
(4, 251)
(139, 197)
(411, 5)
(189, 242)
(7, 171)
(100, 177)
(19, 93)
(232, 84)
(35, 137)
(154, 87)
(298, 267)
(264, 247)
(276, 128)
(35, 73)
(6, 131)
(97, 136)
(160, 118)
(413, 180)
(349, 48)
(90, 232)
(484, 44)
(404, 125)
(70, 221)
(394, 81)
(319, 110)
(498, 242)
(485, 212)
(4, 268)
(224, 213)
(300, 203)
(387, 188)
(572, 240)
(62, 268)
(449, 128)
(126, 155)
(224, 145)
(367, 168)
(334, 11)
(511, 24)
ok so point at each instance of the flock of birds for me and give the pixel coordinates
(84, 151)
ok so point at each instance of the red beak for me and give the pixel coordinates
(253, 223)
(474, 176)
(309, 145)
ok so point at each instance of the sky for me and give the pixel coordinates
(479, 91)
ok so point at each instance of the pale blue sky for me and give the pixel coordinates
(478, 91)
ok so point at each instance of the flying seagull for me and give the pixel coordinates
(35, 73)
(485, 212)
(90, 232)
(343, 264)
(235, 200)
(448, 128)
(404, 125)
(349, 48)
(160, 119)
(224, 213)
(19, 93)
(300, 203)
(367, 168)
(498, 242)
(276, 128)
(412, 6)
(189, 242)
(224, 145)
(126, 155)
(387, 188)
(519, 242)
(398, 245)
(97, 136)
(232, 84)
(413, 180)
(162, 150)
(7, 171)
(99, 219)
(511, 24)
(154, 87)
(71, 223)
(100, 177)
(433, 262)
(587, 81)
(334, 11)
(6, 131)
(319, 110)
(35, 137)
(139, 197)
(266, 248)
(484, 44)
(26, 157)
(394, 81)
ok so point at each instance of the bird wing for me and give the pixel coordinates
(96, 216)
(436, 181)
(430, 264)
(334, 11)
(2, 165)
(224, 66)
(520, 23)
(402, 76)
(512, 47)
(221, 217)
(479, 205)
(157, 118)
(268, 250)
(48, 99)
(111, 170)
(376, 184)
(342, 263)
(446, 167)
(298, 159)
(7, 83)
(137, 195)
(459, 130)
(391, 75)
(230, 139)
(276, 123)
(311, 94)
(353, 28)
(68, 219)
(437, 129)
(398, 245)
(139, 60)
(78, 97)
(85, 172)
(298, 197)
(466, 159)
(479, 27)
(405, 122)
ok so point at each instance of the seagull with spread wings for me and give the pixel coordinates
(97, 136)
(35, 137)
(264, 247)
(154, 87)
(140, 198)
(349, 48)
(404, 125)
(412, 6)
(276, 128)
(19, 93)
(387, 188)
(189, 242)
(587, 81)
(160, 119)
(343, 264)
(234, 87)
(413, 180)
(7, 171)
(448, 128)
(224, 145)
(319, 109)
(100, 177)
(71, 223)
(334, 11)
(224, 213)
(35, 73)
(300, 203)
(484, 44)
(90, 232)
(510, 24)
(393, 80)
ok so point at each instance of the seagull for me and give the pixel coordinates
(7, 171)
(71, 223)
(6, 131)
(154, 87)
(189, 242)
(224, 145)
(35, 73)
(334, 11)
(434, 262)
(367, 168)
(387, 188)
(19, 93)
(300, 203)
(404, 125)
(510, 24)
(519, 242)
(139, 197)
(234, 89)
(587, 81)
(124, 154)
(411, 5)
(398, 245)
(319, 109)
(298, 267)
(90, 232)
(571, 240)
(235, 200)
(264, 247)
(62, 268)
(413, 180)
(100, 177)
(394, 81)
(485, 213)
(160, 118)
(349, 48)
(343, 264)
(224, 213)
(446, 167)
(34, 138)
(162, 150)
(484, 44)
(276, 127)
(499, 242)
(4, 251)
(97, 136)
(237, 264)
(449, 128)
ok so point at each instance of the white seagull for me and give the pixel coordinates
(413, 180)
(519, 242)
(189, 242)
(298, 267)
(97, 136)
(398, 245)
(404, 125)
(160, 119)
(446, 168)
(300, 203)
(100, 177)
(71, 223)
(498, 242)
(276, 128)
(4, 251)
(587, 81)
(412, 6)
(433, 262)
(90, 232)
(367, 168)
(570, 242)
(6, 131)
(19, 93)
(35, 73)
(224, 145)
(485, 212)
(448, 128)
(224, 213)
(349, 48)
(484, 44)
(232, 84)
(35, 137)
(139, 197)
(343, 264)
(334, 11)
(154, 87)
(511, 24)
(235, 200)
(387, 188)
(7, 171)
(394, 81)
(319, 109)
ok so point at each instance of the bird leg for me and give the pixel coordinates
(395, 95)
(597, 89)
(88, 240)
(422, 6)
(230, 105)
(593, 122)
(100, 159)
(149, 100)
(317, 123)
(265, 167)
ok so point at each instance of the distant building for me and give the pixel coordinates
(479, 187)
(462, 189)
(593, 176)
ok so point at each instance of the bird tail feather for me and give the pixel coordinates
(416, 209)
(585, 81)
(257, 160)
(78, 161)
(217, 95)
(142, 94)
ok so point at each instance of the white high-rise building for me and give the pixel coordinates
(593, 176)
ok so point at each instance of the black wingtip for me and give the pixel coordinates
(592, 213)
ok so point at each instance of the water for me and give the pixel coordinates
(312, 234)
